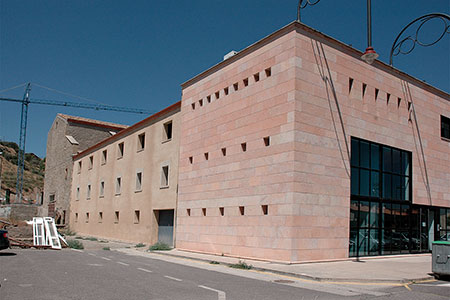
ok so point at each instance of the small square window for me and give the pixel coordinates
(104, 156)
(200, 102)
(66, 173)
(167, 134)
(76, 217)
(226, 91)
(224, 151)
(118, 185)
(245, 82)
(191, 160)
(141, 142)
(222, 211)
(204, 212)
(102, 189)
(364, 87)
(445, 127)
(268, 72)
(193, 106)
(87, 217)
(267, 141)
(217, 95)
(236, 86)
(244, 147)
(91, 162)
(241, 210)
(208, 99)
(139, 181)
(137, 216)
(116, 217)
(265, 209)
(165, 176)
(206, 155)
(78, 193)
(399, 101)
(88, 192)
(120, 150)
(100, 217)
(79, 166)
(188, 212)
(256, 77)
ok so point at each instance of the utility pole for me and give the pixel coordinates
(1, 165)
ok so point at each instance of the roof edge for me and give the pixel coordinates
(128, 129)
(297, 25)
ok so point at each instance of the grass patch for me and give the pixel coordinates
(106, 248)
(74, 244)
(140, 245)
(214, 262)
(68, 232)
(78, 238)
(159, 246)
(93, 239)
(103, 241)
(241, 265)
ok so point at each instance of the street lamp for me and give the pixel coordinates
(369, 55)
(396, 48)
(302, 4)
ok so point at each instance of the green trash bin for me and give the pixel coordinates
(440, 264)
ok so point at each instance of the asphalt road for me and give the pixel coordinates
(101, 274)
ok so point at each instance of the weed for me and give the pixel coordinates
(78, 238)
(93, 239)
(74, 244)
(241, 265)
(106, 248)
(69, 232)
(159, 246)
(140, 245)
(214, 262)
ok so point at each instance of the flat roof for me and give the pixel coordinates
(295, 25)
(92, 122)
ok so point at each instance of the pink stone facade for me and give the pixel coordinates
(264, 164)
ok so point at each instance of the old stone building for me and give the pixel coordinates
(68, 136)
(125, 187)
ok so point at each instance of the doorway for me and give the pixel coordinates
(165, 226)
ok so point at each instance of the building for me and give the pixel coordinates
(294, 149)
(68, 136)
(125, 187)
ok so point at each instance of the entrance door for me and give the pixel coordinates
(165, 227)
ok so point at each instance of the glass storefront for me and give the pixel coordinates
(383, 220)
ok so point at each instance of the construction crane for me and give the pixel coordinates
(24, 118)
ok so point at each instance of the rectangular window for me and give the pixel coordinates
(87, 217)
(200, 102)
(245, 82)
(139, 181)
(78, 193)
(445, 127)
(120, 149)
(265, 209)
(208, 99)
(102, 189)
(188, 212)
(244, 147)
(167, 135)
(76, 217)
(137, 216)
(206, 155)
(268, 72)
(380, 171)
(104, 156)
(226, 91)
(118, 185)
(165, 176)
(222, 211)
(204, 212)
(100, 217)
(51, 198)
(116, 217)
(141, 142)
(217, 95)
(242, 210)
(224, 151)
(267, 141)
(236, 86)
(79, 167)
(88, 192)
(256, 77)
(191, 160)
(91, 162)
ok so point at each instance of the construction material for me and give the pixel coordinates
(45, 233)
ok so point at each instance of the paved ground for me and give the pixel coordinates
(129, 274)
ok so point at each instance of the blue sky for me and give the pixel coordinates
(137, 53)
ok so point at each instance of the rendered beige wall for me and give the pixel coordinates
(304, 175)
(149, 161)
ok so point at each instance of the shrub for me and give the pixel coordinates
(106, 248)
(74, 244)
(214, 262)
(159, 246)
(241, 265)
(140, 245)
(91, 239)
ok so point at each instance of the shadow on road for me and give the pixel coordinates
(7, 254)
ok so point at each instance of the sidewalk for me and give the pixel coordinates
(394, 269)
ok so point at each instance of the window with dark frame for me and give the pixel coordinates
(100, 217)
(141, 141)
(165, 176)
(137, 216)
(445, 127)
(91, 162)
(102, 189)
(104, 156)
(120, 149)
(168, 131)
(139, 181)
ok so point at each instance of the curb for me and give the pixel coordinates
(308, 277)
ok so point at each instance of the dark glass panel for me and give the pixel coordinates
(386, 241)
(404, 219)
(374, 242)
(415, 219)
(363, 242)
(387, 218)
(375, 157)
(387, 162)
(355, 153)
(396, 161)
(415, 241)
(405, 191)
(364, 154)
(364, 182)
(364, 214)
(355, 181)
(448, 219)
(396, 187)
(405, 241)
(396, 213)
(405, 163)
(375, 184)
(396, 242)
(353, 242)
(374, 214)
(442, 217)
(387, 183)
(354, 214)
